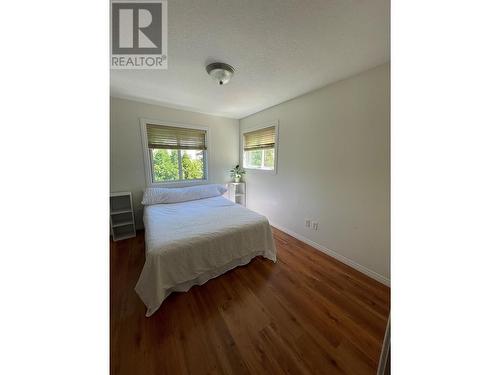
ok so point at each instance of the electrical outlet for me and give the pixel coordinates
(308, 223)
(315, 225)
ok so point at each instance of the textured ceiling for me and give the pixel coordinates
(279, 48)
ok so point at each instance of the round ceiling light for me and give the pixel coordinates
(220, 72)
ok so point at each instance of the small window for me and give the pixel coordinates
(259, 149)
(175, 153)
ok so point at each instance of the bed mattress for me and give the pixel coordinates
(192, 242)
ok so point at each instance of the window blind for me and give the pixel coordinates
(172, 137)
(259, 139)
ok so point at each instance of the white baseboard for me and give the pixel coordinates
(368, 272)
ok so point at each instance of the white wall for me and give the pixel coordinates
(127, 162)
(333, 167)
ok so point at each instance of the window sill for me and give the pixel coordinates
(258, 170)
(180, 183)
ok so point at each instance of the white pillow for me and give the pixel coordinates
(176, 195)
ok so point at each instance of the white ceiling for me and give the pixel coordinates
(279, 48)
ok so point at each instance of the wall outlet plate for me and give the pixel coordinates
(315, 225)
(308, 223)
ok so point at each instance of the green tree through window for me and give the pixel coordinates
(259, 159)
(192, 166)
(166, 164)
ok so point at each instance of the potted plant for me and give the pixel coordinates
(236, 173)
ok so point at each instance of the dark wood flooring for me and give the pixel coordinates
(306, 314)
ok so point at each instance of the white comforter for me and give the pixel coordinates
(191, 242)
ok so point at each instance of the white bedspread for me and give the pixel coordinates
(191, 242)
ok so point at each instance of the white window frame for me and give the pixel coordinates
(274, 123)
(148, 165)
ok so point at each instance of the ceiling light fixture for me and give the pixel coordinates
(221, 72)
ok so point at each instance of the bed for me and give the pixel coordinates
(189, 243)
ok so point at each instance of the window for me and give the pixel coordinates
(259, 149)
(175, 153)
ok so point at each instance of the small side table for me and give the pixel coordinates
(236, 192)
(121, 212)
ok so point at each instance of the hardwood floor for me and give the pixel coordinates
(306, 314)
